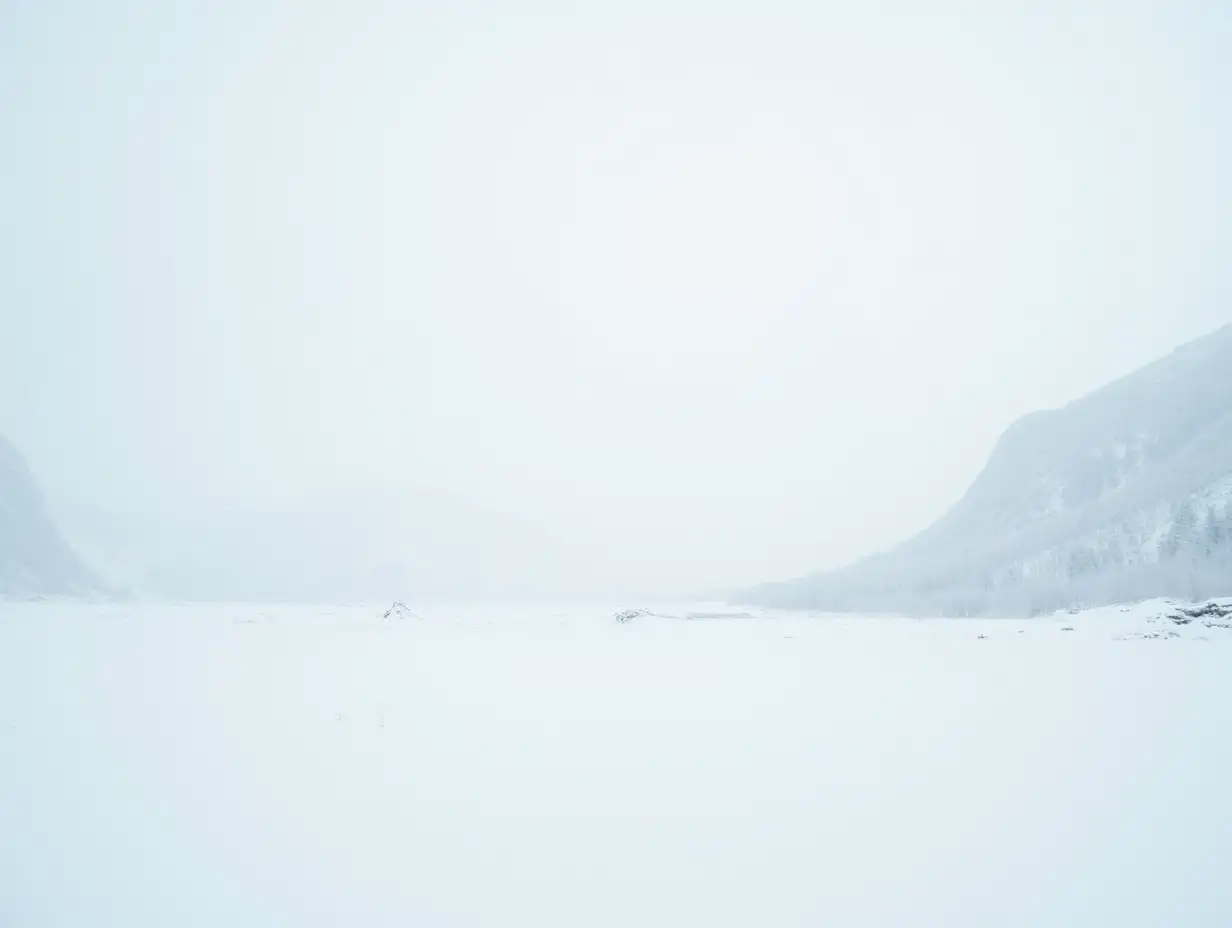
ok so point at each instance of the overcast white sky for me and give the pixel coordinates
(754, 286)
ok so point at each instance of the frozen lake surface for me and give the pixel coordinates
(516, 766)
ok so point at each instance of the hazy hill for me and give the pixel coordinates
(346, 545)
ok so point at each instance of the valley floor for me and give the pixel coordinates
(516, 766)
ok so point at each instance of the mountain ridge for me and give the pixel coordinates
(1069, 499)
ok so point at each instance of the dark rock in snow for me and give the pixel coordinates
(399, 610)
(1213, 614)
(629, 615)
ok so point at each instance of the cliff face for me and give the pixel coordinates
(35, 560)
(1122, 494)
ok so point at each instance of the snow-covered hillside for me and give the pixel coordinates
(1122, 494)
(251, 766)
(34, 558)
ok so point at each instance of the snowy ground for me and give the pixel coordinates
(510, 766)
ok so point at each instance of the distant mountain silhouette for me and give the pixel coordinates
(341, 545)
(1125, 493)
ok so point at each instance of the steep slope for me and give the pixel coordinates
(34, 558)
(1123, 493)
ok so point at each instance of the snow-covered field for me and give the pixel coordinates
(254, 766)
